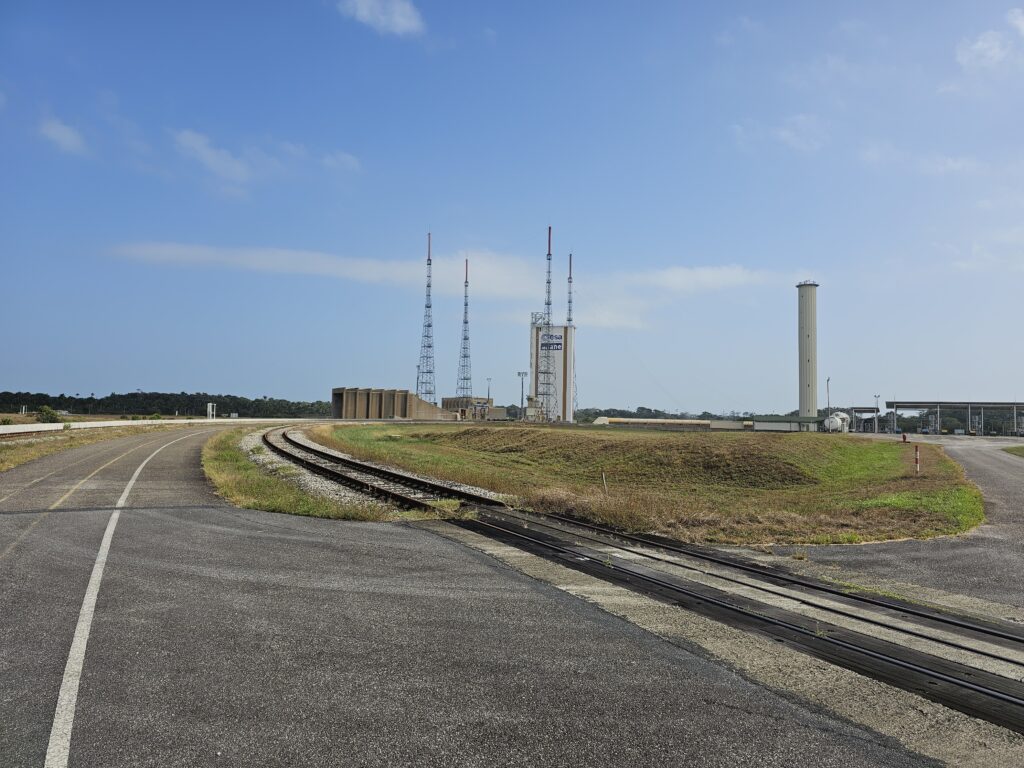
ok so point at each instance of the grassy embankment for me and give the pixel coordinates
(246, 484)
(15, 451)
(1017, 450)
(738, 488)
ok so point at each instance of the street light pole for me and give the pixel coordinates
(828, 401)
(522, 379)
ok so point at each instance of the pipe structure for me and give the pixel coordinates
(807, 298)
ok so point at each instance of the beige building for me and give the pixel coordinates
(475, 408)
(358, 403)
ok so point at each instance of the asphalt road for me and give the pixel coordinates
(987, 563)
(233, 637)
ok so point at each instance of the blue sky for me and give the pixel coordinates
(235, 197)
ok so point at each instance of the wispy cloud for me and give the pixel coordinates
(803, 132)
(738, 31)
(884, 155)
(388, 17)
(689, 280)
(490, 273)
(1015, 18)
(609, 300)
(217, 161)
(987, 50)
(341, 161)
(994, 257)
(63, 136)
(940, 165)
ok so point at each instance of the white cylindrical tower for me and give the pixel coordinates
(807, 293)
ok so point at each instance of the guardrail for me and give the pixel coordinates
(19, 429)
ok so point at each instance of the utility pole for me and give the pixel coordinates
(522, 378)
(876, 413)
(828, 402)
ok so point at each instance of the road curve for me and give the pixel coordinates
(986, 563)
(240, 637)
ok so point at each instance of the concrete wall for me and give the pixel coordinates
(363, 403)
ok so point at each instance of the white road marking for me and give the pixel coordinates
(59, 748)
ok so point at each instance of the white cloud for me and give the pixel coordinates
(1001, 250)
(803, 132)
(66, 138)
(688, 280)
(987, 50)
(940, 165)
(389, 17)
(1015, 18)
(490, 274)
(604, 300)
(219, 162)
(878, 154)
(885, 155)
(341, 161)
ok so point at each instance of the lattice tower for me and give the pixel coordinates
(546, 391)
(425, 369)
(465, 385)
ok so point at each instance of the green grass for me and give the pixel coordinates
(739, 488)
(248, 485)
(1017, 450)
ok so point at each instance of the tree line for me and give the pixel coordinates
(165, 404)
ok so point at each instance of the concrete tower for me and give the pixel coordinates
(807, 293)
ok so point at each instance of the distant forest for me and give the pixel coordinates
(587, 415)
(165, 404)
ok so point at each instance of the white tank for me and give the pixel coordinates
(837, 422)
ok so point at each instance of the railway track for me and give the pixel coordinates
(969, 664)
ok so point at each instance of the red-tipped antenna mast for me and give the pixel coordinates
(464, 388)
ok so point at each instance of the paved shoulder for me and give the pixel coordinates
(987, 563)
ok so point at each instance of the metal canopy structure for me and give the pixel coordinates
(921, 405)
(975, 406)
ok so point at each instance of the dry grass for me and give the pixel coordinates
(15, 450)
(246, 484)
(738, 488)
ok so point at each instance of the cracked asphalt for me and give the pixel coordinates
(235, 637)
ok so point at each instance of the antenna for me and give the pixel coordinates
(425, 369)
(464, 387)
(546, 369)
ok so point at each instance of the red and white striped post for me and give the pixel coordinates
(917, 459)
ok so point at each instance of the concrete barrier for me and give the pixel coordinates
(14, 429)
